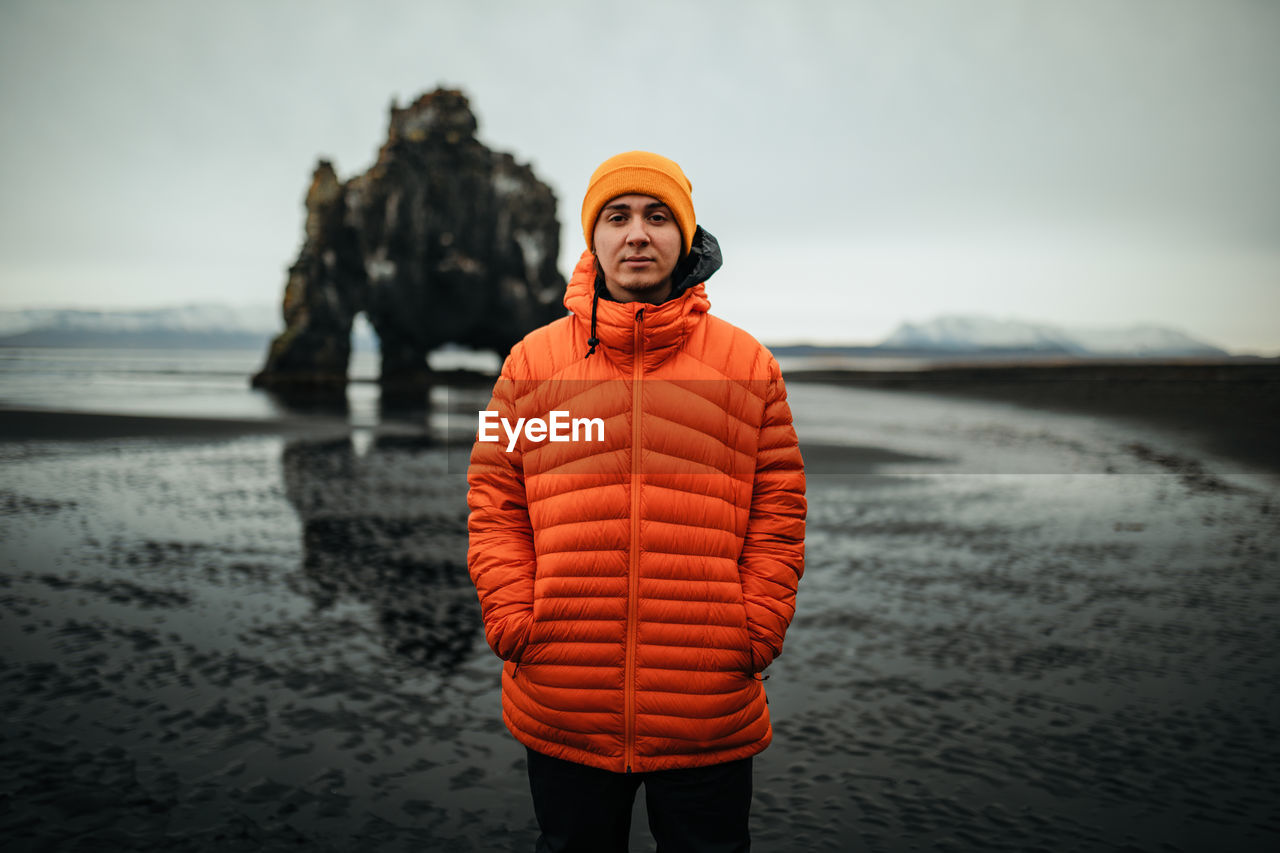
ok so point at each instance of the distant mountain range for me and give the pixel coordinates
(198, 326)
(961, 337)
(214, 326)
(954, 333)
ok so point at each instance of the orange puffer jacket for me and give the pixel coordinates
(637, 585)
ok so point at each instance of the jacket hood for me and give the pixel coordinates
(699, 265)
(666, 324)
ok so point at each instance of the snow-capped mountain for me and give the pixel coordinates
(254, 319)
(973, 333)
(185, 326)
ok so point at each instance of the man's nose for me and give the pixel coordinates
(637, 234)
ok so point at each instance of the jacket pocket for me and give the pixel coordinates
(526, 628)
(533, 633)
(748, 658)
(521, 655)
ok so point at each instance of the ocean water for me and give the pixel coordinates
(212, 383)
(933, 434)
(1017, 630)
(186, 383)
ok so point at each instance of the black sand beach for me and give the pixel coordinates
(1022, 627)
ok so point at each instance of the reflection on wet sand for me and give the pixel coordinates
(370, 536)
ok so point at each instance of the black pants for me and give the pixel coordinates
(698, 810)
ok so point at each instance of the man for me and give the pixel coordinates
(637, 580)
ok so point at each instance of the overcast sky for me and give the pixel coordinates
(1089, 162)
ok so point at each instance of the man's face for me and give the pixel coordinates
(637, 245)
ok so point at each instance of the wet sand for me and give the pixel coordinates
(1232, 406)
(1017, 630)
(30, 424)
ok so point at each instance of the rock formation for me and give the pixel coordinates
(441, 241)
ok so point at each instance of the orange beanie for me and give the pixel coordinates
(643, 173)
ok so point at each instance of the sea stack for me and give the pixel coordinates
(441, 241)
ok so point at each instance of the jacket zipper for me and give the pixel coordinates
(633, 570)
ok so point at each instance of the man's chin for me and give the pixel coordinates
(643, 288)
